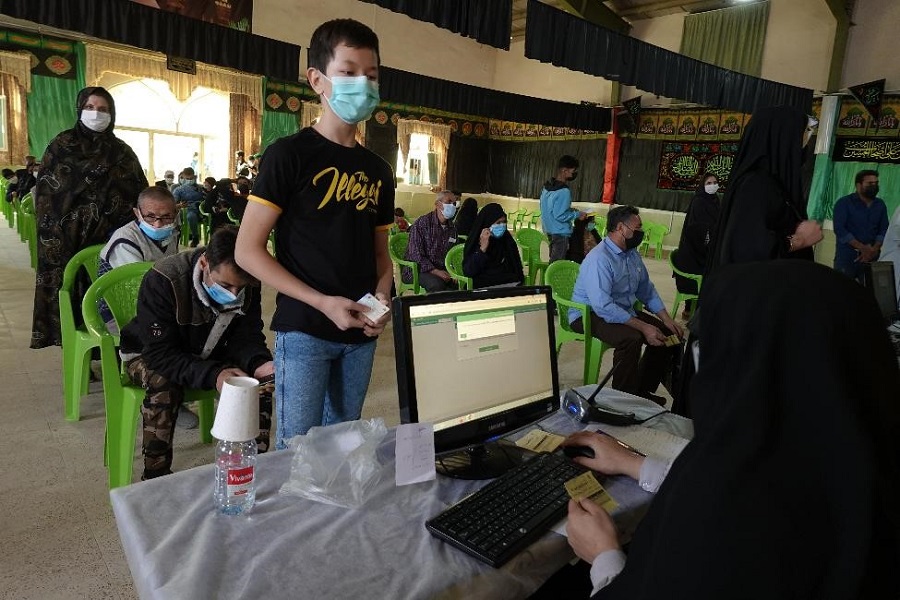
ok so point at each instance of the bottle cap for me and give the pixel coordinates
(237, 417)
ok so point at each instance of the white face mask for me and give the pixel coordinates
(95, 120)
(711, 188)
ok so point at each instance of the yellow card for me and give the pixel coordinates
(587, 486)
(540, 441)
(672, 340)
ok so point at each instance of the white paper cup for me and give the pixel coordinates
(237, 417)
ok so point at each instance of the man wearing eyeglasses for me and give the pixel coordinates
(151, 236)
(611, 280)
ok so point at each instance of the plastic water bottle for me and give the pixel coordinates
(235, 491)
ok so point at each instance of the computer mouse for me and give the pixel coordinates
(573, 451)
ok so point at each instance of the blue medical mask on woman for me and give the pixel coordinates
(157, 234)
(352, 98)
(498, 229)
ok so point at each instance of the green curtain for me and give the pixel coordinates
(732, 38)
(276, 125)
(51, 105)
(843, 182)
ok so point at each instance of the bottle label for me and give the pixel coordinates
(240, 481)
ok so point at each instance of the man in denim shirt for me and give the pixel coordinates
(860, 222)
(430, 237)
(612, 278)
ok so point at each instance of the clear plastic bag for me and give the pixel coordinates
(338, 464)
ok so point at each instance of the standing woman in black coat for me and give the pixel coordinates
(698, 231)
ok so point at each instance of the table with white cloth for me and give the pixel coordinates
(178, 546)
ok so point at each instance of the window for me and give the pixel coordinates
(4, 139)
(417, 170)
(167, 134)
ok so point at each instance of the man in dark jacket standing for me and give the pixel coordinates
(198, 322)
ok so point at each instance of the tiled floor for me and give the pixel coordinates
(58, 537)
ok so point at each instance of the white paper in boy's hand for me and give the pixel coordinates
(376, 308)
(414, 453)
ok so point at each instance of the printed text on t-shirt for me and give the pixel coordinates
(344, 187)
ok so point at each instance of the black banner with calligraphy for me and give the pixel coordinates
(866, 150)
(682, 165)
(633, 110)
(869, 95)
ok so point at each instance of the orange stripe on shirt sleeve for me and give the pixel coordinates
(264, 202)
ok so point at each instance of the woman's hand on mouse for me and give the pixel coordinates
(590, 530)
(610, 458)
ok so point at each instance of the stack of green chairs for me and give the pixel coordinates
(453, 263)
(77, 342)
(653, 238)
(29, 227)
(119, 288)
(534, 220)
(561, 276)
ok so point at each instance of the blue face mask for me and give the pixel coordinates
(154, 233)
(219, 295)
(449, 211)
(591, 226)
(352, 98)
(498, 229)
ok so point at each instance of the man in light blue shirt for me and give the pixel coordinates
(612, 278)
(557, 213)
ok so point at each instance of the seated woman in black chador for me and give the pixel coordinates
(789, 487)
(698, 231)
(465, 218)
(491, 256)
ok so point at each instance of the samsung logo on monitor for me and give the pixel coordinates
(496, 425)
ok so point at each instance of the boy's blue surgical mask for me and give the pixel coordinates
(498, 229)
(352, 98)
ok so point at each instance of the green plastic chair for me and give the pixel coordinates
(233, 217)
(680, 296)
(29, 228)
(77, 342)
(122, 399)
(453, 263)
(205, 224)
(534, 219)
(653, 238)
(530, 240)
(397, 244)
(185, 229)
(20, 216)
(561, 276)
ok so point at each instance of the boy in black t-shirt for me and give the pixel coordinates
(331, 203)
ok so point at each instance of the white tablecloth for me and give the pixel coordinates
(177, 546)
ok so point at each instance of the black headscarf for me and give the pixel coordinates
(765, 182)
(465, 218)
(87, 186)
(503, 265)
(789, 488)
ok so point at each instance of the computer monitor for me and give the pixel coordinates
(879, 277)
(477, 365)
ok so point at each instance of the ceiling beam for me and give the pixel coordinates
(841, 11)
(594, 11)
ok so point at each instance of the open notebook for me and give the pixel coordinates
(647, 441)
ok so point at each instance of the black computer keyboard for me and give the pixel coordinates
(508, 514)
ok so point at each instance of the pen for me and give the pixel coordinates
(621, 443)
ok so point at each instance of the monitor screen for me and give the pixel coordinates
(475, 364)
(880, 279)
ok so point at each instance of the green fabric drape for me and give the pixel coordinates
(51, 105)
(276, 124)
(732, 38)
(843, 182)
